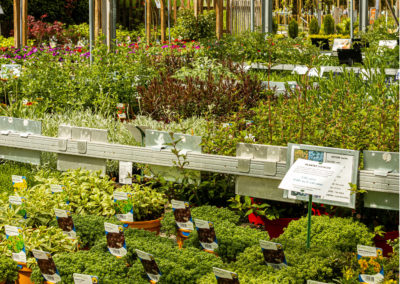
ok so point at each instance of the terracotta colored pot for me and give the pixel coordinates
(152, 226)
(24, 276)
(3, 282)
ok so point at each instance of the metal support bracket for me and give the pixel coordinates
(269, 156)
(81, 136)
(24, 128)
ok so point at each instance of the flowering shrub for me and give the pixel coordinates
(43, 32)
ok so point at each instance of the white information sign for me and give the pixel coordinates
(391, 44)
(310, 177)
(341, 43)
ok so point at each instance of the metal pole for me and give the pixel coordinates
(169, 21)
(309, 220)
(91, 30)
(114, 20)
(351, 19)
(252, 15)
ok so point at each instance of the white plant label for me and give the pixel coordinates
(310, 177)
(149, 264)
(85, 279)
(366, 251)
(123, 197)
(56, 188)
(125, 172)
(16, 233)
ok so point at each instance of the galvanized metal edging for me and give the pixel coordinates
(201, 162)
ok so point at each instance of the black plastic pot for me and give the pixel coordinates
(322, 43)
(349, 56)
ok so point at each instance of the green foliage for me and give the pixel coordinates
(50, 239)
(8, 269)
(209, 213)
(313, 28)
(177, 266)
(247, 207)
(188, 27)
(105, 266)
(329, 25)
(293, 28)
(90, 228)
(335, 114)
(148, 204)
(342, 234)
(7, 169)
(232, 239)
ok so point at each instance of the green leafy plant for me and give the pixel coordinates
(177, 266)
(342, 234)
(49, 239)
(245, 207)
(188, 27)
(293, 28)
(329, 25)
(8, 269)
(232, 239)
(313, 28)
(207, 212)
(105, 266)
(148, 203)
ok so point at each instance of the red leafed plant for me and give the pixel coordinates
(41, 31)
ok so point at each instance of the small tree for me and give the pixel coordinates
(313, 28)
(329, 25)
(293, 29)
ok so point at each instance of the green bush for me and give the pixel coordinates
(90, 228)
(188, 27)
(342, 234)
(293, 28)
(105, 266)
(232, 239)
(8, 269)
(9, 168)
(207, 212)
(313, 28)
(329, 25)
(177, 266)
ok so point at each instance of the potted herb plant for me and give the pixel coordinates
(8, 269)
(147, 205)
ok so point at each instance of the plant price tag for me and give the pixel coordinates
(65, 222)
(56, 188)
(125, 172)
(123, 206)
(47, 266)
(85, 279)
(273, 254)
(370, 261)
(15, 200)
(225, 276)
(315, 282)
(115, 239)
(150, 266)
(19, 182)
(207, 236)
(183, 217)
(15, 243)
